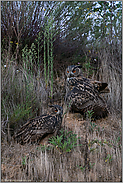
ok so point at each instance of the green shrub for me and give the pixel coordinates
(66, 141)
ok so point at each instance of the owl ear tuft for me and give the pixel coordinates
(79, 66)
(51, 105)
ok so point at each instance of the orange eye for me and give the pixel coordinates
(67, 71)
(56, 111)
(74, 71)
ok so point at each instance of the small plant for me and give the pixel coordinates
(117, 141)
(89, 114)
(29, 56)
(109, 158)
(66, 141)
(44, 147)
(106, 142)
(98, 142)
(100, 129)
(92, 126)
(91, 165)
(24, 160)
(83, 168)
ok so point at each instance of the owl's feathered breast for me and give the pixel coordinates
(82, 90)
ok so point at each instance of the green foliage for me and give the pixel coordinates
(49, 38)
(98, 142)
(88, 68)
(66, 141)
(83, 168)
(58, 28)
(29, 56)
(24, 160)
(78, 23)
(107, 17)
(20, 112)
(89, 114)
(92, 126)
(91, 165)
(109, 158)
(44, 148)
(117, 141)
(99, 129)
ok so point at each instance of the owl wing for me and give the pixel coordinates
(36, 128)
(81, 98)
(100, 86)
(85, 97)
(33, 127)
(83, 93)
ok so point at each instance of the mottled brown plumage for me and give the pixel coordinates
(83, 94)
(37, 128)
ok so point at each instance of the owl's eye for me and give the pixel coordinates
(56, 110)
(67, 71)
(74, 71)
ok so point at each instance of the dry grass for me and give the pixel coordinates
(111, 72)
(99, 157)
(31, 163)
(23, 96)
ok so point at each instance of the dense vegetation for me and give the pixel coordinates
(72, 27)
(39, 39)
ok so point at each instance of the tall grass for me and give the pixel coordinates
(23, 94)
(25, 87)
(45, 73)
(111, 72)
(49, 38)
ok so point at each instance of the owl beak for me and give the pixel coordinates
(71, 74)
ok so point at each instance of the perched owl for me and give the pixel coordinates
(83, 94)
(75, 71)
(37, 128)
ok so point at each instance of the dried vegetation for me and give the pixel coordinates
(99, 156)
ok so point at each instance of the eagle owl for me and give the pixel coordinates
(83, 94)
(37, 128)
